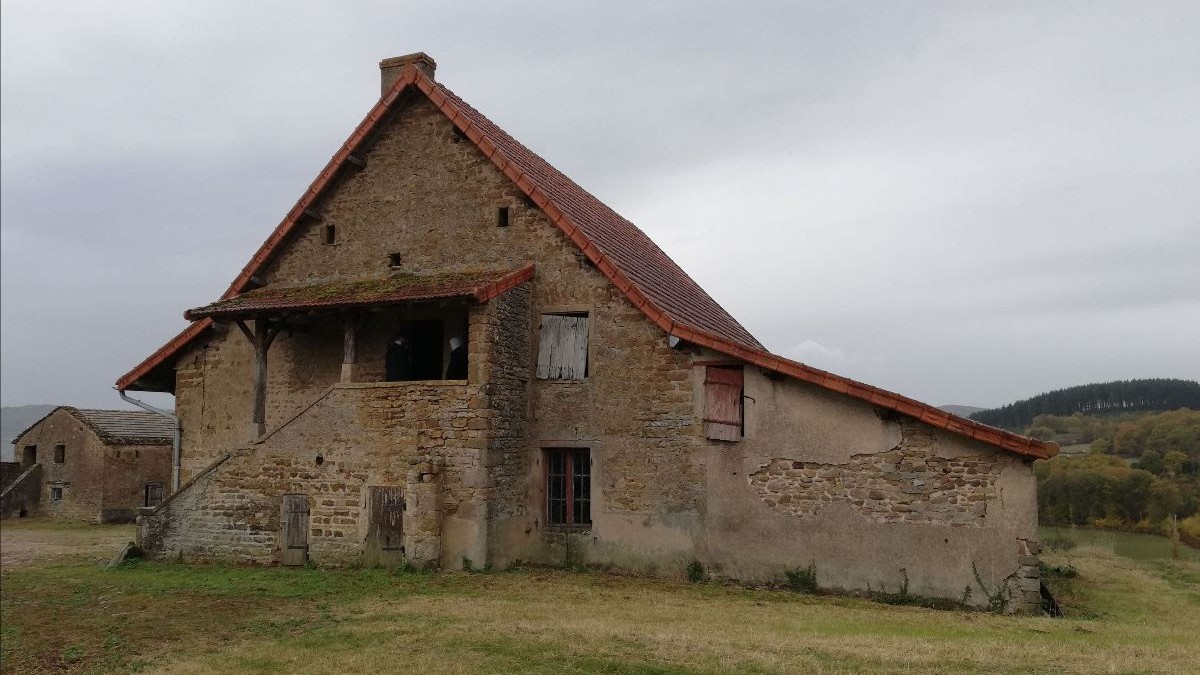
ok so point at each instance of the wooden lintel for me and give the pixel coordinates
(312, 214)
(356, 161)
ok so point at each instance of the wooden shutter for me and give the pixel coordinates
(563, 346)
(723, 403)
(294, 548)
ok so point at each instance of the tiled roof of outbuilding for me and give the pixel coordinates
(127, 426)
(622, 252)
(123, 427)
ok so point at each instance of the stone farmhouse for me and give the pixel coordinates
(449, 352)
(94, 465)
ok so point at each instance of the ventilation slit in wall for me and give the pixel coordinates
(502, 216)
(330, 233)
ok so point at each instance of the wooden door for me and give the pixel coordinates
(294, 537)
(385, 533)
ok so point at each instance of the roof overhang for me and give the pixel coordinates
(342, 295)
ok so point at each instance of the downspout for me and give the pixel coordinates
(176, 443)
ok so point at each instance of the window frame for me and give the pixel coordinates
(60, 490)
(570, 500)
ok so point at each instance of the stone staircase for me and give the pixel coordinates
(22, 497)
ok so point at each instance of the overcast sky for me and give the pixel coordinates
(965, 202)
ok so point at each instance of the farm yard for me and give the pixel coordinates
(1131, 608)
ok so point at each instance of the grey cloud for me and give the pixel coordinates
(963, 202)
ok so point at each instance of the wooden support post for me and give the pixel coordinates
(261, 338)
(350, 326)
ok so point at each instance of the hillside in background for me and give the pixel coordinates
(1130, 471)
(961, 410)
(15, 419)
(1122, 396)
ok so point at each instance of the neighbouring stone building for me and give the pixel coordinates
(449, 351)
(96, 465)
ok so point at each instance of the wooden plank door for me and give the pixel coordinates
(385, 533)
(294, 535)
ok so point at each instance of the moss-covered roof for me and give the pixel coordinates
(393, 288)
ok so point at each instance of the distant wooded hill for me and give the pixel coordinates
(1094, 399)
(961, 410)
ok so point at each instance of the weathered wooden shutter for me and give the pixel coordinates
(563, 347)
(294, 537)
(385, 536)
(723, 403)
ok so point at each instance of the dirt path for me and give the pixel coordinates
(29, 542)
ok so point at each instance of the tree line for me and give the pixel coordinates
(1121, 396)
(1137, 473)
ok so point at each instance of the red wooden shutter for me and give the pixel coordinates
(723, 403)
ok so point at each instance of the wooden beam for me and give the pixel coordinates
(245, 331)
(351, 322)
(312, 214)
(356, 161)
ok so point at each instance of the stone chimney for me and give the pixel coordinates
(389, 69)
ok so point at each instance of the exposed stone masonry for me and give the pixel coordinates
(908, 483)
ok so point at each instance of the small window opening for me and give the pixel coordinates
(563, 346)
(29, 458)
(153, 494)
(394, 260)
(60, 454)
(502, 216)
(568, 487)
(56, 493)
(330, 233)
(416, 352)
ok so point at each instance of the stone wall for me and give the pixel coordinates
(354, 437)
(872, 499)
(80, 475)
(507, 338)
(908, 483)
(127, 471)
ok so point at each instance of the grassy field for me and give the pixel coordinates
(1130, 609)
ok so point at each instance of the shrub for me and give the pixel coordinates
(1064, 571)
(695, 571)
(1059, 543)
(803, 579)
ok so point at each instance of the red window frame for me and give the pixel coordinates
(568, 483)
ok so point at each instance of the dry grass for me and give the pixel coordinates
(32, 541)
(1128, 616)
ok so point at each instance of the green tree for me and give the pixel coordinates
(1173, 462)
(1165, 500)
(1132, 494)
